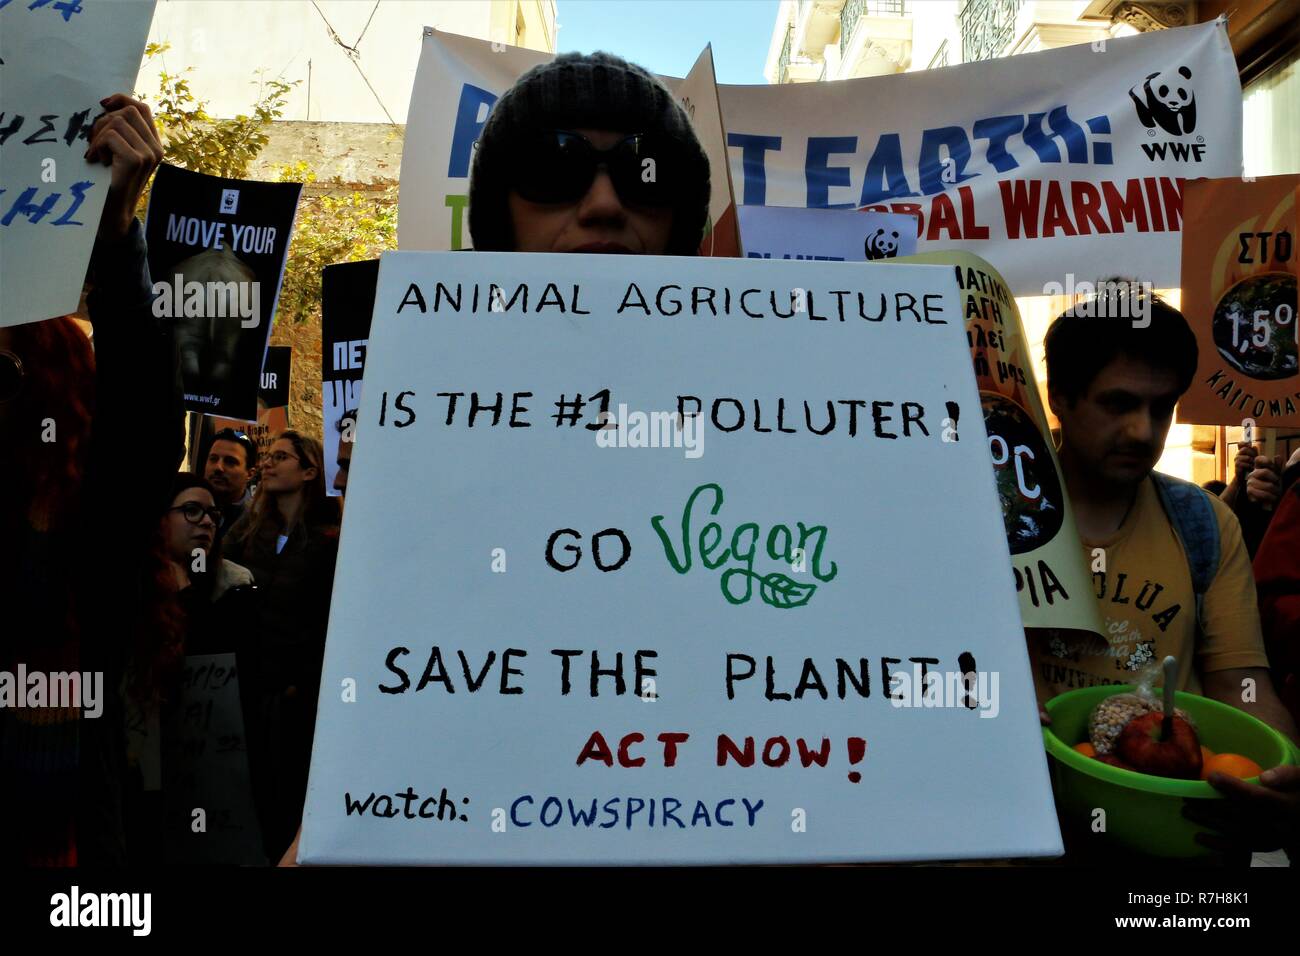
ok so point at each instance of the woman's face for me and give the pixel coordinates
(282, 470)
(183, 536)
(599, 222)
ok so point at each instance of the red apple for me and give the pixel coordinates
(1139, 745)
(1112, 761)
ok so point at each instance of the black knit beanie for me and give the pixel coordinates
(596, 91)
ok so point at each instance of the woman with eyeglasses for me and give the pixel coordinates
(288, 539)
(205, 581)
(209, 606)
(90, 440)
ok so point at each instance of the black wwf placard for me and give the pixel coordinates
(347, 301)
(273, 391)
(217, 250)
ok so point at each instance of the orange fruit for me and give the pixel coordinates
(1234, 765)
(1206, 754)
(1087, 749)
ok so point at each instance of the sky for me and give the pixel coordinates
(666, 36)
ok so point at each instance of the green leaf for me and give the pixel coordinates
(781, 591)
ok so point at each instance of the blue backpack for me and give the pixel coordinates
(1189, 510)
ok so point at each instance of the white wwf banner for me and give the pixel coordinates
(1066, 161)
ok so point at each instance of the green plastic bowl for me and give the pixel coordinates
(1144, 812)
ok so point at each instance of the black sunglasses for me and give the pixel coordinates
(193, 512)
(559, 166)
(11, 376)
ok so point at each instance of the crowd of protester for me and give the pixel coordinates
(1265, 497)
(116, 561)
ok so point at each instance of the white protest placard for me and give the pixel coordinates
(1064, 160)
(57, 61)
(556, 642)
(205, 766)
(836, 235)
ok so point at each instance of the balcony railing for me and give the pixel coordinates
(783, 64)
(855, 10)
(940, 58)
(987, 26)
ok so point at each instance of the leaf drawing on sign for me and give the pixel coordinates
(781, 591)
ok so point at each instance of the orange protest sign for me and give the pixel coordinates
(1239, 294)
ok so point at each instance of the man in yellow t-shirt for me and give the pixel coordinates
(1144, 587)
(1113, 383)
(1115, 371)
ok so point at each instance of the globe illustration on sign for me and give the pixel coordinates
(1254, 326)
(1025, 473)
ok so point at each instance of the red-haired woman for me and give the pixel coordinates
(89, 442)
(289, 540)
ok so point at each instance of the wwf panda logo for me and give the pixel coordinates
(881, 243)
(1166, 100)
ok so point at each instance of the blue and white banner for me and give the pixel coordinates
(1068, 160)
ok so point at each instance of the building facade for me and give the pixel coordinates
(353, 60)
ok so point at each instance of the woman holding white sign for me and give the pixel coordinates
(588, 154)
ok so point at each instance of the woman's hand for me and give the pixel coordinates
(126, 139)
(1264, 485)
(290, 857)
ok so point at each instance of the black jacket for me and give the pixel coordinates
(294, 596)
(294, 590)
(135, 445)
(137, 404)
